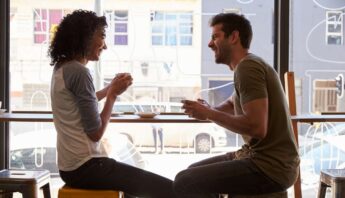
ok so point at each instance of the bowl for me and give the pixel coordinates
(2, 111)
(146, 114)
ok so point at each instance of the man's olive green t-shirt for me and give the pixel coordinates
(276, 155)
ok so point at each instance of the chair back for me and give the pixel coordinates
(289, 79)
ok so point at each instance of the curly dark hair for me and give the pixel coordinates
(232, 22)
(73, 35)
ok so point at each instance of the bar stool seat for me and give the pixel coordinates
(334, 178)
(282, 194)
(27, 182)
(68, 192)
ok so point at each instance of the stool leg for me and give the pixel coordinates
(338, 190)
(29, 191)
(46, 191)
(322, 190)
(9, 195)
(6, 194)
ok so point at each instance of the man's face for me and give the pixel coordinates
(220, 45)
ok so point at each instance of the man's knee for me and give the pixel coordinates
(196, 164)
(181, 182)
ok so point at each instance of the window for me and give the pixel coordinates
(334, 27)
(45, 23)
(170, 28)
(219, 90)
(144, 68)
(316, 40)
(163, 47)
(325, 96)
(232, 10)
(117, 27)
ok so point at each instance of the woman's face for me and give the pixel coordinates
(97, 45)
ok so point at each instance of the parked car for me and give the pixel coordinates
(37, 150)
(202, 137)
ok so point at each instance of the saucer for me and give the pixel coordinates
(117, 113)
(146, 114)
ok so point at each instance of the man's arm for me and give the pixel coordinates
(253, 122)
(226, 106)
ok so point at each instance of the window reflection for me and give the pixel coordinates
(117, 27)
(334, 27)
(170, 28)
(316, 40)
(163, 45)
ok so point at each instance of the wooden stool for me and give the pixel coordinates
(283, 194)
(334, 178)
(27, 182)
(67, 192)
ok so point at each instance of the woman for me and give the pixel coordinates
(82, 159)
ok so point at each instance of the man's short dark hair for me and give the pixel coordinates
(232, 22)
(74, 34)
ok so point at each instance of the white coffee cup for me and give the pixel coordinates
(0, 104)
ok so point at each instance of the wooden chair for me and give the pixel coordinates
(334, 178)
(27, 182)
(289, 79)
(67, 192)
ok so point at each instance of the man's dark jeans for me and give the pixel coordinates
(222, 175)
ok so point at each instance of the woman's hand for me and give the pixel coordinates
(119, 84)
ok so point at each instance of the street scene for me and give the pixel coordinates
(166, 50)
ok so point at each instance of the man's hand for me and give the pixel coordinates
(196, 109)
(119, 84)
(204, 102)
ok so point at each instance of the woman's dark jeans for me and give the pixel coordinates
(106, 173)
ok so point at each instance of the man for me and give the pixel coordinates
(268, 161)
(157, 131)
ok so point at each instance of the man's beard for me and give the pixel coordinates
(224, 54)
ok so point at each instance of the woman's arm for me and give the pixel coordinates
(102, 93)
(117, 86)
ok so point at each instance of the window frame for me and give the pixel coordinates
(324, 96)
(48, 29)
(281, 61)
(165, 24)
(338, 20)
(111, 29)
